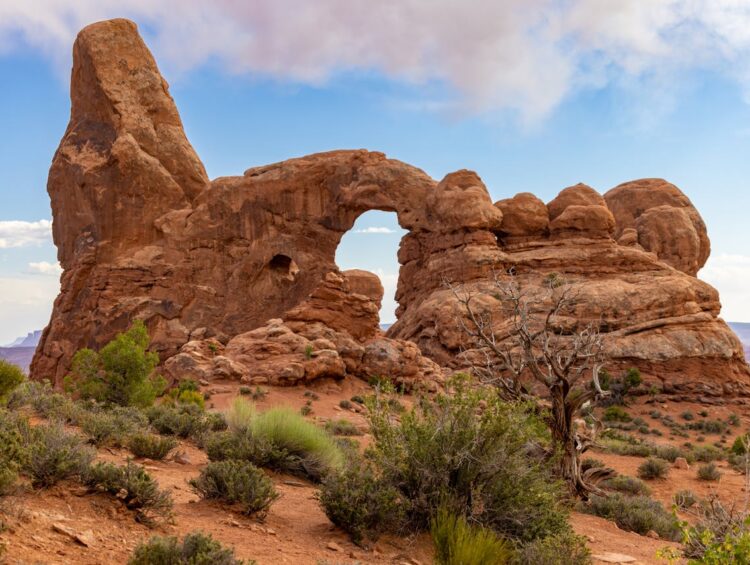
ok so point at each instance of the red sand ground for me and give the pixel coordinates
(296, 530)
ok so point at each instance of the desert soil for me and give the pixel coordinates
(41, 526)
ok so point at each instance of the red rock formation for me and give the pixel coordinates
(236, 277)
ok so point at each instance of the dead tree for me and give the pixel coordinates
(517, 340)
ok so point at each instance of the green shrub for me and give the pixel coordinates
(708, 426)
(245, 390)
(112, 427)
(734, 420)
(13, 430)
(346, 404)
(134, 486)
(473, 452)
(186, 420)
(360, 502)
(120, 373)
(306, 410)
(151, 446)
(457, 542)
(627, 485)
(684, 499)
(195, 549)
(342, 427)
(560, 549)
(55, 454)
(358, 399)
(55, 406)
(10, 377)
(637, 514)
(236, 482)
(720, 535)
(653, 468)
(708, 472)
(707, 454)
(688, 415)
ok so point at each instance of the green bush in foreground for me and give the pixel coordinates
(120, 373)
(473, 453)
(195, 549)
(134, 486)
(637, 514)
(361, 503)
(184, 421)
(112, 427)
(236, 482)
(13, 430)
(10, 377)
(560, 549)
(151, 446)
(55, 454)
(458, 542)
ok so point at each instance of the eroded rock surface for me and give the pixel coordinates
(236, 277)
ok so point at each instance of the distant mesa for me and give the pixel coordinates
(30, 340)
(232, 273)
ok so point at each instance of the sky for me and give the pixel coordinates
(534, 95)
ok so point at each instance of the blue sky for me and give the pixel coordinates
(593, 107)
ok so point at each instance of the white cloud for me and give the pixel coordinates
(375, 230)
(730, 274)
(25, 304)
(23, 234)
(45, 268)
(389, 305)
(522, 55)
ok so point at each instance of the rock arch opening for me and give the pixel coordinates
(372, 245)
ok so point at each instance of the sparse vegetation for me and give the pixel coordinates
(236, 482)
(151, 446)
(456, 541)
(708, 472)
(10, 377)
(637, 514)
(627, 485)
(684, 499)
(559, 549)
(134, 486)
(195, 549)
(55, 454)
(112, 427)
(120, 373)
(653, 468)
(361, 502)
(342, 427)
(345, 404)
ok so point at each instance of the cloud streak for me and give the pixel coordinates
(526, 56)
(376, 230)
(45, 268)
(16, 233)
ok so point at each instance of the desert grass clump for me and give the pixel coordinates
(564, 548)
(360, 502)
(135, 487)
(638, 514)
(627, 485)
(653, 468)
(121, 373)
(55, 454)
(304, 448)
(684, 499)
(240, 415)
(195, 549)
(151, 446)
(456, 541)
(708, 472)
(236, 482)
(11, 376)
(342, 427)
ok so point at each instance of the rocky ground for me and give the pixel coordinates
(67, 525)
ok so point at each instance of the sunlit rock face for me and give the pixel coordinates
(243, 262)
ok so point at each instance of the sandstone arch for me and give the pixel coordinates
(142, 232)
